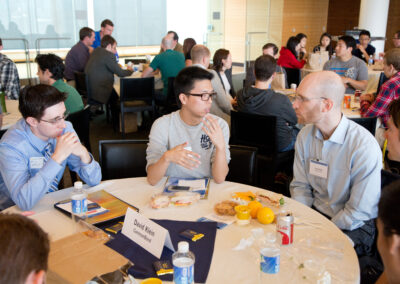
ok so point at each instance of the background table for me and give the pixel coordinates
(227, 264)
(12, 115)
(158, 84)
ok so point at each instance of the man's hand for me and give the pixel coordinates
(65, 145)
(180, 156)
(234, 102)
(367, 97)
(81, 151)
(214, 131)
(360, 47)
(345, 81)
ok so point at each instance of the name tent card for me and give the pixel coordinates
(149, 235)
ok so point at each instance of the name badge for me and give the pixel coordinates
(36, 162)
(318, 168)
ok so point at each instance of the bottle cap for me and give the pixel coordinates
(183, 247)
(78, 184)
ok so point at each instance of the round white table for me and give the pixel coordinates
(316, 239)
(12, 115)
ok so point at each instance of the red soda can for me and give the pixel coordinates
(284, 225)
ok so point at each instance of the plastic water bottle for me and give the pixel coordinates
(78, 203)
(270, 254)
(183, 262)
(370, 60)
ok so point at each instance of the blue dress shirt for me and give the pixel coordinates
(97, 39)
(351, 191)
(24, 176)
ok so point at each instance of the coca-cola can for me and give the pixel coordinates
(284, 225)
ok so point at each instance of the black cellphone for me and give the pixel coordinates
(178, 188)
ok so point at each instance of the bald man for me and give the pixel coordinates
(170, 62)
(337, 163)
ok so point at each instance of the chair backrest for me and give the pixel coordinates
(172, 104)
(81, 83)
(137, 89)
(242, 167)
(81, 122)
(367, 122)
(292, 76)
(122, 158)
(388, 177)
(254, 130)
(382, 79)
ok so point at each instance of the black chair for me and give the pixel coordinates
(242, 167)
(81, 84)
(260, 131)
(122, 158)
(171, 104)
(382, 79)
(81, 122)
(136, 95)
(2, 132)
(388, 177)
(367, 122)
(293, 76)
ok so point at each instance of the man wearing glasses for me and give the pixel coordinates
(337, 162)
(35, 151)
(189, 143)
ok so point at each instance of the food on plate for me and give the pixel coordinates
(182, 198)
(226, 207)
(159, 201)
(246, 196)
(273, 200)
(265, 215)
(254, 206)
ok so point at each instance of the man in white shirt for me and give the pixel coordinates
(337, 162)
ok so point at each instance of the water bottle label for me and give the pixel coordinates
(270, 264)
(79, 206)
(184, 275)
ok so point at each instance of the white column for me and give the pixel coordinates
(373, 17)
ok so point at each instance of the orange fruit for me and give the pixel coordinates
(254, 206)
(265, 215)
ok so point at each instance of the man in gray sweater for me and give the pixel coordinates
(189, 143)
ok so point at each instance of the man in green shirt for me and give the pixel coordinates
(169, 63)
(50, 72)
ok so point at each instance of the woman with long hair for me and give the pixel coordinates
(288, 55)
(222, 64)
(188, 43)
(325, 44)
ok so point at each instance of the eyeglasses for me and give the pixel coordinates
(204, 96)
(303, 99)
(57, 119)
